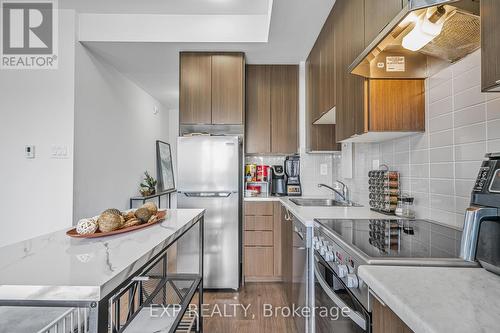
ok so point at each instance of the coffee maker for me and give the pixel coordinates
(278, 181)
(292, 170)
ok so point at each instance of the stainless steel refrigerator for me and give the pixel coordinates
(209, 177)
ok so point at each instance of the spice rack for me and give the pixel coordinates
(385, 188)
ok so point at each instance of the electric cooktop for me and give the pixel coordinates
(379, 238)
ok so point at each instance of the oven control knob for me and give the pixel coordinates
(325, 243)
(322, 250)
(329, 256)
(343, 271)
(352, 281)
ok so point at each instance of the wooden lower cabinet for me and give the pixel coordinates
(262, 242)
(259, 263)
(384, 320)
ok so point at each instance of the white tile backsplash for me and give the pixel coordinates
(438, 167)
(470, 115)
(441, 107)
(493, 109)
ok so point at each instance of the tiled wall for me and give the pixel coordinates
(439, 166)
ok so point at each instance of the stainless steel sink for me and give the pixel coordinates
(322, 203)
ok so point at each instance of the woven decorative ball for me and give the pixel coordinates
(112, 211)
(86, 226)
(109, 222)
(151, 206)
(143, 214)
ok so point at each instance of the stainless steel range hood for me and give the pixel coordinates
(426, 36)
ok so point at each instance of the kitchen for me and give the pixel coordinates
(333, 155)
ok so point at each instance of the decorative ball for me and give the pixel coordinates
(112, 211)
(151, 206)
(109, 222)
(86, 226)
(143, 214)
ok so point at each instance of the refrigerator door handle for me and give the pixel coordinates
(207, 194)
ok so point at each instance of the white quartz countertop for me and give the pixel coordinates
(306, 215)
(55, 267)
(438, 300)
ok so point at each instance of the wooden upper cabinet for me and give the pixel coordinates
(395, 105)
(349, 43)
(211, 88)
(284, 109)
(490, 45)
(227, 88)
(195, 88)
(320, 89)
(258, 109)
(378, 13)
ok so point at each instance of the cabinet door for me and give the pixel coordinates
(195, 104)
(259, 262)
(386, 321)
(284, 109)
(258, 109)
(490, 44)
(227, 88)
(401, 111)
(349, 43)
(378, 13)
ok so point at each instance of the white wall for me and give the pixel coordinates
(439, 166)
(36, 108)
(115, 135)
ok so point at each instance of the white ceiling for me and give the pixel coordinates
(172, 7)
(295, 25)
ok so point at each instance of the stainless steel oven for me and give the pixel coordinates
(336, 309)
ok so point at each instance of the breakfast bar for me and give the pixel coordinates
(109, 280)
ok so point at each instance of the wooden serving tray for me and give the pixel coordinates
(160, 216)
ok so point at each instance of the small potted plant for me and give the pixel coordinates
(148, 186)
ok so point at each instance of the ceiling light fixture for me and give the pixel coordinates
(428, 26)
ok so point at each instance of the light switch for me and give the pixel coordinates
(323, 169)
(59, 151)
(375, 164)
(29, 151)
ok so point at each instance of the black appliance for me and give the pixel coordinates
(278, 185)
(292, 170)
(342, 245)
(481, 239)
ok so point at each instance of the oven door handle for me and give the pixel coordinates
(354, 315)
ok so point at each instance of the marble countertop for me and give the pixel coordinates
(438, 300)
(56, 267)
(306, 215)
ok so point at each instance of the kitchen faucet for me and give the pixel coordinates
(345, 195)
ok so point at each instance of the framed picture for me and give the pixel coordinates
(164, 164)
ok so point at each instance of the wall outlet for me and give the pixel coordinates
(323, 169)
(29, 151)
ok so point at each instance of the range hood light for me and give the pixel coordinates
(428, 26)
